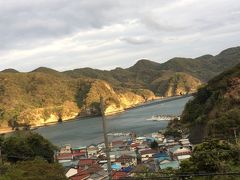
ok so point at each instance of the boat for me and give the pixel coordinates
(163, 118)
(118, 134)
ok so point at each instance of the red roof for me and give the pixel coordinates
(64, 156)
(115, 143)
(81, 175)
(79, 153)
(148, 151)
(124, 159)
(134, 145)
(119, 175)
(87, 162)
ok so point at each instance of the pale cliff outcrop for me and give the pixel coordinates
(115, 100)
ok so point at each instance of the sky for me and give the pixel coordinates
(105, 34)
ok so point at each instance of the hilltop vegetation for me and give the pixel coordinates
(46, 95)
(215, 109)
(28, 155)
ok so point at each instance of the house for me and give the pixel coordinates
(185, 142)
(71, 172)
(183, 157)
(161, 156)
(66, 157)
(116, 166)
(119, 175)
(82, 174)
(133, 146)
(92, 151)
(149, 140)
(118, 145)
(181, 153)
(66, 149)
(70, 164)
(169, 164)
(158, 137)
(173, 148)
(101, 146)
(85, 163)
(126, 160)
(146, 153)
(79, 155)
(79, 152)
(99, 174)
(171, 143)
(116, 154)
(79, 149)
(140, 140)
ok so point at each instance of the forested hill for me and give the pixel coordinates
(46, 95)
(215, 109)
(170, 78)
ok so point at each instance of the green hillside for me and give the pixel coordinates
(148, 74)
(46, 95)
(215, 109)
(36, 98)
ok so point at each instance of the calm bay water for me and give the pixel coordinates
(88, 131)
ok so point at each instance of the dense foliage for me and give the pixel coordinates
(27, 146)
(212, 156)
(215, 109)
(37, 169)
(27, 155)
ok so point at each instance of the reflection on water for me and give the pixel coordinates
(89, 131)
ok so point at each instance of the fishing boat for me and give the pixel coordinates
(163, 118)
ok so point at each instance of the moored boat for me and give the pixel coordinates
(163, 118)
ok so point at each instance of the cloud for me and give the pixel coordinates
(136, 40)
(65, 34)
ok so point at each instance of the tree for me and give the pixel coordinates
(212, 156)
(154, 145)
(37, 169)
(26, 146)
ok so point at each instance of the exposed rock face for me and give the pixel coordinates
(41, 116)
(65, 99)
(115, 100)
(176, 84)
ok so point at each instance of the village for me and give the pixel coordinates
(127, 152)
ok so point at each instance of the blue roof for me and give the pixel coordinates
(127, 169)
(163, 158)
(161, 154)
(150, 139)
(116, 166)
(170, 164)
(174, 148)
(70, 164)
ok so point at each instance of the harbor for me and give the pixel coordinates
(87, 131)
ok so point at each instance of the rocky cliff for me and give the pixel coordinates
(38, 98)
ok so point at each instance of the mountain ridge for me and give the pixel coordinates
(46, 95)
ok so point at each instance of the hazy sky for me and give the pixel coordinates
(104, 34)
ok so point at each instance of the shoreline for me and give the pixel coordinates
(147, 103)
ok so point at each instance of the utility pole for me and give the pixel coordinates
(107, 150)
(1, 161)
(235, 134)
